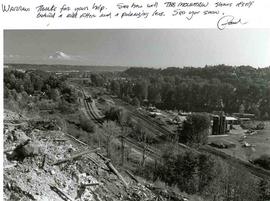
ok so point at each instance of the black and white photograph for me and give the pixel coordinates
(136, 114)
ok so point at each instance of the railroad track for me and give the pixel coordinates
(136, 145)
(90, 111)
(150, 124)
(149, 151)
(162, 131)
(255, 170)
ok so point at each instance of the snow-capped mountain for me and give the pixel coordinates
(60, 55)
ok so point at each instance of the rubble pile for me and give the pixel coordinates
(49, 165)
(12, 116)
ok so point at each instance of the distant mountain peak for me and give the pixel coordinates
(59, 55)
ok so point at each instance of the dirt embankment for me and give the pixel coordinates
(49, 165)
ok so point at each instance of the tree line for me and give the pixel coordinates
(212, 88)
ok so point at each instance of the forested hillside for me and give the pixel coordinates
(228, 88)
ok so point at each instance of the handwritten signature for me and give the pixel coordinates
(227, 20)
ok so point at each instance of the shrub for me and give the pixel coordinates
(195, 129)
(66, 107)
(190, 171)
(117, 114)
(86, 124)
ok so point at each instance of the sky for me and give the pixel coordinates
(139, 47)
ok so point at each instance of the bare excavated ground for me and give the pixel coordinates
(238, 151)
(33, 169)
(260, 141)
(248, 145)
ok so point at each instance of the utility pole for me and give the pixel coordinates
(144, 150)
(123, 151)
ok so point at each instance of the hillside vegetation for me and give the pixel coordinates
(212, 88)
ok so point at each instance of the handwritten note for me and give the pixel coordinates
(221, 14)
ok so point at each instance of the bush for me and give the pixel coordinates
(195, 129)
(117, 114)
(86, 124)
(190, 171)
(67, 108)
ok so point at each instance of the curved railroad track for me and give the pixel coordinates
(255, 170)
(134, 144)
